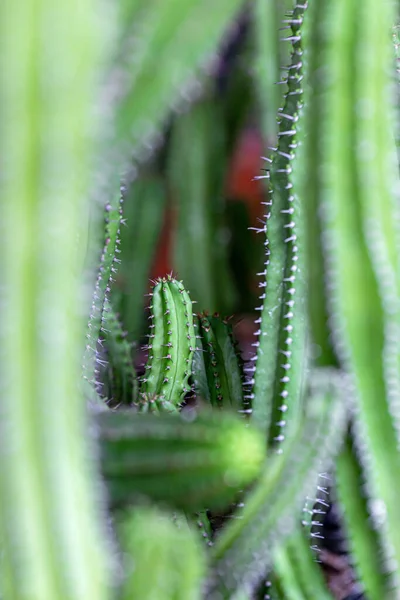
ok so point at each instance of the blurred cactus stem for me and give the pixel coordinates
(52, 544)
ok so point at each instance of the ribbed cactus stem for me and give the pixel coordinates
(217, 369)
(51, 539)
(349, 109)
(97, 328)
(281, 349)
(171, 342)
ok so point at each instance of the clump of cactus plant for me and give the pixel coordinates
(91, 491)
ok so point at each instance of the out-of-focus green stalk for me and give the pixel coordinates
(52, 542)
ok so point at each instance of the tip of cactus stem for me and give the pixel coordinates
(247, 453)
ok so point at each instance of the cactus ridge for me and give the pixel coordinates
(217, 372)
(281, 346)
(172, 342)
(93, 359)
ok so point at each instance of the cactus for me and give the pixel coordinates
(245, 548)
(329, 328)
(123, 385)
(359, 255)
(153, 544)
(93, 360)
(298, 572)
(52, 529)
(164, 33)
(191, 464)
(281, 350)
(172, 344)
(217, 372)
(362, 534)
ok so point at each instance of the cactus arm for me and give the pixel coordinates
(269, 508)
(285, 571)
(281, 351)
(378, 177)
(161, 558)
(190, 464)
(358, 322)
(217, 372)
(363, 538)
(96, 328)
(51, 535)
(172, 344)
(307, 572)
(171, 46)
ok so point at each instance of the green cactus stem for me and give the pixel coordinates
(171, 343)
(356, 181)
(364, 542)
(193, 464)
(93, 360)
(217, 370)
(123, 386)
(161, 558)
(281, 350)
(244, 550)
(297, 570)
(52, 538)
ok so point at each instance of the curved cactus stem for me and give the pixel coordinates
(245, 548)
(282, 352)
(93, 357)
(299, 573)
(172, 343)
(52, 538)
(166, 39)
(161, 558)
(364, 311)
(193, 464)
(217, 372)
(364, 542)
